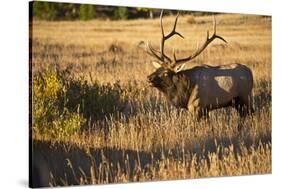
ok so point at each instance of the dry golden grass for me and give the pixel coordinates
(149, 139)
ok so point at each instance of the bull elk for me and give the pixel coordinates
(201, 88)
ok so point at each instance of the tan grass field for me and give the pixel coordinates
(146, 138)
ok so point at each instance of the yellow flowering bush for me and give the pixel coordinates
(62, 105)
(46, 85)
(48, 116)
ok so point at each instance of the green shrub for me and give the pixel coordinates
(62, 105)
(45, 10)
(96, 100)
(87, 12)
(121, 13)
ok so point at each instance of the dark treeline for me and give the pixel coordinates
(72, 11)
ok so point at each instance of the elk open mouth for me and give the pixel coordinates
(153, 84)
(150, 83)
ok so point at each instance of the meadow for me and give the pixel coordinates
(95, 120)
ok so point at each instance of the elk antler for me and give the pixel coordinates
(160, 55)
(156, 53)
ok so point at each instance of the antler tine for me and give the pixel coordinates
(162, 43)
(174, 54)
(202, 48)
(161, 24)
(174, 32)
(153, 52)
(215, 30)
(215, 24)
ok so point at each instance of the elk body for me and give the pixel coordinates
(201, 88)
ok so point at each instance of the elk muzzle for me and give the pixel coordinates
(154, 80)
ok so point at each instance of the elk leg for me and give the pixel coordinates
(244, 106)
(194, 104)
(200, 114)
(196, 114)
(205, 113)
(250, 104)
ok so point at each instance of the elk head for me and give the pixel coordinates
(167, 68)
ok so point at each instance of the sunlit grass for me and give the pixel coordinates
(127, 130)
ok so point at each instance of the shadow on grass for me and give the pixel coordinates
(71, 165)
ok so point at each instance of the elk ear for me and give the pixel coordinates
(179, 68)
(156, 64)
